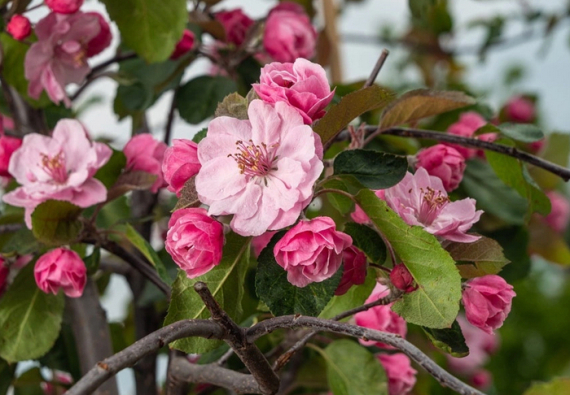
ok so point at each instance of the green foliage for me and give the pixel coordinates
(56, 222)
(514, 240)
(558, 386)
(449, 340)
(225, 281)
(234, 105)
(200, 135)
(6, 376)
(354, 297)
(435, 303)
(367, 240)
(527, 133)
(375, 170)
(557, 151)
(29, 319)
(342, 203)
(150, 28)
(21, 243)
(198, 98)
(110, 171)
(29, 383)
(149, 253)
(482, 257)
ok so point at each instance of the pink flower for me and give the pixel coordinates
(519, 109)
(560, 212)
(303, 85)
(444, 162)
(482, 379)
(421, 200)
(311, 251)
(401, 375)
(380, 318)
(289, 34)
(180, 164)
(487, 301)
(61, 269)
(359, 216)
(7, 147)
(19, 27)
(488, 137)
(59, 57)
(102, 40)
(184, 45)
(235, 23)
(402, 279)
(4, 272)
(258, 243)
(467, 125)
(195, 241)
(64, 6)
(60, 167)
(144, 153)
(354, 270)
(262, 170)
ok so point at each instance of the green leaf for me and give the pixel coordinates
(449, 340)
(525, 132)
(367, 240)
(55, 222)
(422, 103)
(6, 376)
(351, 106)
(151, 28)
(92, 261)
(353, 370)
(149, 253)
(29, 319)
(135, 180)
(29, 383)
(558, 386)
(198, 98)
(282, 297)
(200, 135)
(375, 170)
(225, 281)
(482, 257)
(342, 203)
(355, 297)
(234, 105)
(22, 242)
(435, 303)
(547, 243)
(110, 172)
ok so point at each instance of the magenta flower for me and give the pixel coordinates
(60, 167)
(354, 270)
(102, 40)
(180, 163)
(4, 272)
(444, 162)
(144, 153)
(420, 199)
(19, 27)
(61, 269)
(64, 6)
(401, 375)
(236, 24)
(8, 145)
(261, 170)
(402, 279)
(183, 46)
(520, 109)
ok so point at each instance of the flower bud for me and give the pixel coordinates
(180, 164)
(235, 23)
(4, 271)
(402, 278)
(520, 109)
(354, 269)
(61, 268)
(144, 153)
(184, 45)
(466, 126)
(102, 40)
(482, 379)
(559, 214)
(7, 147)
(19, 27)
(444, 162)
(401, 375)
(64, 6)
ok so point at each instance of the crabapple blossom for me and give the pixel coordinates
(180, 163)
(559, 214)
(258, 243)
(466, 126)
(19, 27)
(4, 272)
(402, 278)
(261, 170)
(184, 45)
(482, 379)
(64, 6)
(311, 251)
(236, 24)
(359, 216)
(102, 40)
(520, 109)
(354, 270)
(8, 145)
(444, 162)
(401, 375)
(59, 167)
(61, 269)
(144, 153)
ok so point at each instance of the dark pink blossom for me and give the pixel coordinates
(559, 214)
(444, 162)
(401, 375)
(354, 269)
(467, 125)
(258, 243)
(19, 27)
(61, 269)
(64, 6)
(8, 145)
(4, 272)
(402, 279)
(183, 46)
(103, 39)
(520, 109)
(180, 163)
(144, 153)
(236, 25)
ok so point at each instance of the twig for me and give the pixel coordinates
(88, 80)
(116, 59)
(377, 68)
(250, 355)
(224, 358)
(170, 119)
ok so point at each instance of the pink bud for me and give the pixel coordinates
(7, 147)
(402, 278)
(180, 164)
(536, 146)
(520, 109)
(401, 375)
(102, 40)
(184, 45)
(311, 251)
(4, 271)
(354, 269)
(482, 379)
(560, 212)
(61, 268)
(144, 153)
(487, 301)
(235, 23)
(258, 243)
(467, 125)
(444, 162)
(19, 27)
(64, 6)
(195, 241)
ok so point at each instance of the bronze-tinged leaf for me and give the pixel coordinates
(131, 181)
(482, 257)
(188, 195)
(234, 105)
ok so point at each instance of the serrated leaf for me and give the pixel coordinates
(449, 340)
(525, 132)
(225, 281)
(435, 303)
(135, 180)
(351, 106)
(282, 297)
(188, 195)
(149, 253)
(198, 98)
(482, 257)
(234, 105)
(375, 170)
(354, 297)
(422, 103)
(30, 319)
(558, 386)
(368, 241)
(55, 222)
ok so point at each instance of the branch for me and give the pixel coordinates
(377, 68)
(170, 119)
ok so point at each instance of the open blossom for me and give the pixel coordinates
(303, 85)
(60, 167)
(487, 301)
(466, 126)
(380, 318)
(235, 23)
(180, 163)
(194, 240)
(183, 46)
(144, 153)
(559, 214)
(64, 6)
(401, 375)
(262, 170)
(61, 269)
(359, 216)
(444, 162)
(19, 27)
(8, 145)
(520, 109)
(354, 270)
(420, 199)
(311, 251)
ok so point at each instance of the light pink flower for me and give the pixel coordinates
(102, 40)
(303, 85)
(64, 6)
(520, 109)
(444, 162)
(258, 243)
(19, 27)
(289, 34)
(7, 147)
(235, 23)
(60, 167)
(180, 163)
(559, 213)
(359, 216)
(183, 46)
(354, 269)
(402, 279)
(420, 199)
(144, 153)
(311, 251)
(61, 269)
(194, 241)
(467, 125)
(262, 170)
(487, 301)
(380, 318)
(4, 272)
(401, 375)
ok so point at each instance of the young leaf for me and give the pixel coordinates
(56, 222)
(367, 240)
(198, 98)
(225, 281)
(234, 105)
(136, 180)
(449, 340)
(282, 297)
(525, 132)
(482, 257)
(435, 303)
(188, 195)
(355, 297)
(146, 249)
(375, 170)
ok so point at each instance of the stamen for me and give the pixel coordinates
(55, 167)
(432, 202)
(253, 159)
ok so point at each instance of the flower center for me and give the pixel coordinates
(254, 160)
(432, 202)
(55, 167)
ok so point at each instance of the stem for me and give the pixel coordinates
(377, 68)
(170, 119)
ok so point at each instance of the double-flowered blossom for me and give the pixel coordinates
(236, 25)
(144, 153)
(19, 27)
(61, 269)
(311, 251)
(401, 375)
(184, 45)
(444, 162)
(466, 126)
(354, 269)
(59, 167)
(420, 199)
(303, 85)
(180, 164)
(261, 170)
